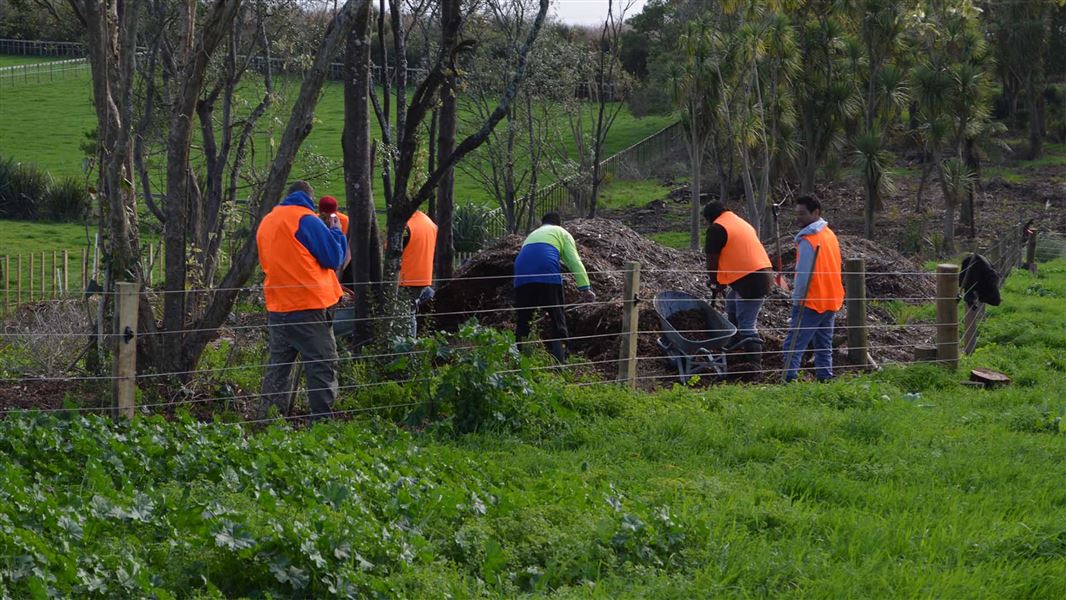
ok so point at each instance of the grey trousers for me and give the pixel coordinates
(309, 334)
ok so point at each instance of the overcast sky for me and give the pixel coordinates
(589, 12)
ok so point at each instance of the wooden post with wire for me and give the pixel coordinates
(7, 282)
(84, 269)
(627, 352)
(44, 268)
(18, 283)
(66, 273)
(33, 265)
(124, 384)
(1030, 254)
(855, 286)
(55, 274)
(947, 315)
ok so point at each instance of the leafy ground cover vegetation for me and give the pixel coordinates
(901, 483)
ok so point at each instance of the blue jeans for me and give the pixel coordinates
(743, 313)
(809, 328)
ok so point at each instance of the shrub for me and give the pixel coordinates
(476, 379)
(470, 227)
(23, 190)
(67, 200)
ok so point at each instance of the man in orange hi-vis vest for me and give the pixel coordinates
(299, 255)
(817, 294)
(416, 264)
(736, 258)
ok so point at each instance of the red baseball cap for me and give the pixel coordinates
(327, 204)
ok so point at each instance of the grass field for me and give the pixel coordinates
(25, 238)
(46, 124)
(8, 60)
(897, 484)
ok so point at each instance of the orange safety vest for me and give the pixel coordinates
(743, 253)
(294, 279)
(416, 264)
(343, 218)
(825, 292)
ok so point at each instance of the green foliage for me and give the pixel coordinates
(28, 192)
(470, 226)
(904, 313)
(846, 489)
(23, 190)
(67, 200)
(476, 378)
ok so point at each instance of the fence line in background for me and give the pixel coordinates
(124, 337)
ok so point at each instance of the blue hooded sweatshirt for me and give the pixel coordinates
(327, 244)
(804, 260)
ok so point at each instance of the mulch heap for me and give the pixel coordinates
(483, 286)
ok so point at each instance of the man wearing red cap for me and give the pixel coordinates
(327, 210)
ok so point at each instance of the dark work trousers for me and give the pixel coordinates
(549, 298)
(309, 334)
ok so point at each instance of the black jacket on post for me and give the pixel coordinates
(979, 281)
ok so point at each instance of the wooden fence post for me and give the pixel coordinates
(1019, 237)
(7, 282)
(947, 315)
(162, 263)
(55, 274)
(66, 272)
(1030, 254)
(124, 384)
(855, 286)
(84, 269)
(627, 353)
(18, 283)
(32, 269)
(43, 269)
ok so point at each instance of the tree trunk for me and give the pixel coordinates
(696, 163)
(296, 130)
(1035, 100)
(182, 193)
(450, 20)
(868, 209)
(969, 209)
(363, 235)
(948, 233)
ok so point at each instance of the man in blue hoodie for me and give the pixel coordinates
(299, 255)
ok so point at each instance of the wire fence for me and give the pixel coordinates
(671, 353)
(44, 72)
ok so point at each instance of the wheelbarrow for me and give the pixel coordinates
(693, 352)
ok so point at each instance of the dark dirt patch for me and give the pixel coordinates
(46, 395)
(689, 323)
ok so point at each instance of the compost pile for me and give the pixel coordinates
(689, 323)
(484, 284)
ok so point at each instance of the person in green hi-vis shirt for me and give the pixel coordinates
(538, 281)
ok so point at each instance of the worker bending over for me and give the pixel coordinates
(538, 281)
(736, 258)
